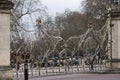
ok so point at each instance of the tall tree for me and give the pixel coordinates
(95, 10)
(71, 24)
(23, 24)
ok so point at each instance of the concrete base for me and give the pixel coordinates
(6, 73)
(115, 64)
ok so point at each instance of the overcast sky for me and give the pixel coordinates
(60, 5)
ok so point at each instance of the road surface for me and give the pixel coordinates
(81, 77)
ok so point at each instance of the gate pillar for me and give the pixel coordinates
(5, 70)
(115, 19)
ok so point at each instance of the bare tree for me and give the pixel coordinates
(23, 24)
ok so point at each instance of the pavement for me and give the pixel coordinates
(73, 74)
(80, 77)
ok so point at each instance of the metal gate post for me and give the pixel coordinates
(25, 68)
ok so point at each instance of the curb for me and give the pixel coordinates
(102, 72)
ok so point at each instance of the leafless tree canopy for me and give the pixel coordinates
(33, 31)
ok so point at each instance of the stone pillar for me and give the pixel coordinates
(115, 16)
(5, 70)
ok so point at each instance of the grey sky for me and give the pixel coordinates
(60, 5)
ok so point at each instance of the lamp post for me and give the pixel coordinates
(38, 23)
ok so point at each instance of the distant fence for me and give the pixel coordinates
(57, 70)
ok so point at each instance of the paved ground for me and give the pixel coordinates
(81, 77)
